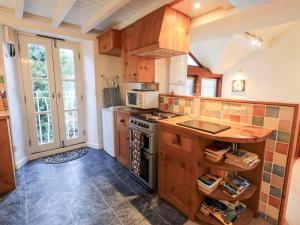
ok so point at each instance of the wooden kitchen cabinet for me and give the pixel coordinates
(175, 169)
(122, 138)
(7, 170)
(135, 69)
(109, 43)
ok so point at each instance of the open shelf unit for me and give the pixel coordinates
(249, 197)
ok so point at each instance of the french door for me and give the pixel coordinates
(53, 93)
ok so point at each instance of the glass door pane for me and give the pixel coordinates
(67, 71)
(41, 93)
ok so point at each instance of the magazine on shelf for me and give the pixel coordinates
(218, 148)
(208, 183)
(234, 185)
(241, 158)
(223, 211)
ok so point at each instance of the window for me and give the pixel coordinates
(208, 87)
(190, 85)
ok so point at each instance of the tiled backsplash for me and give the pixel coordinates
(277, 118)
(179, 104)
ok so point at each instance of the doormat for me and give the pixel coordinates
(65, 156)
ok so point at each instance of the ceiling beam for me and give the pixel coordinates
(111, 7)
(143, 12)
(19, 9)
(62, 9)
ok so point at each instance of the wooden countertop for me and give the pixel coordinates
(4, 114)
(237, 133)
(132, 111)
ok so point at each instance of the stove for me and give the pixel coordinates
(146, 126)
(148, 121)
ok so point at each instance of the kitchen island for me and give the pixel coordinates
(181, 160)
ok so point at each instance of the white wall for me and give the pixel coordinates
(16, 107)
(271, 74)
(88, 64)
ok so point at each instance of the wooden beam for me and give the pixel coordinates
(61, 10)
(19, 9)
(143, 12)
(111, 7)
(196, 60)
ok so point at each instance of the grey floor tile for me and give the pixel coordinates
(170, 214)
(52, 217)
(133, 184)
(14, 214)
(106, 217)
(131, 212)
(153, 219)
(117, 193)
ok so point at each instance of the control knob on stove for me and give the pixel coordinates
(146, 125)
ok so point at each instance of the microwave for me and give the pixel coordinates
(142, 99)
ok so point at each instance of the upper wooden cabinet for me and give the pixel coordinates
(109, 43)
(135, 69)
(162, 33)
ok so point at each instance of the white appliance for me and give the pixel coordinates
(142, 99)
(108, 130)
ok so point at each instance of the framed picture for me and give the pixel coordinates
(238, 85)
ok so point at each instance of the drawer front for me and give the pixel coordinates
(176, 140)
(121, 121)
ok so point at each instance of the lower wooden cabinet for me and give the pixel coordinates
(122, 138)
(176, 182)
(7, 171)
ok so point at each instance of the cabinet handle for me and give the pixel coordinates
(134, 74)
(176, 140)
(122, 121)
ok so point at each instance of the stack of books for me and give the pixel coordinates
(208, 183)
(241, 158)
(223, 211)
(216, 151)
(234, 185)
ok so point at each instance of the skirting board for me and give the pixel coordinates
(55, 151)
(94, 145)
(21, 162)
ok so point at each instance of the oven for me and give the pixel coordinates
(148, 159)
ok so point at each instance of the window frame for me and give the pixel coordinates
(200, 73)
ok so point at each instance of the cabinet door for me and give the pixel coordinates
(145, 70)
(175, 178)
(178, 69)
(122, 141)
(122, 138)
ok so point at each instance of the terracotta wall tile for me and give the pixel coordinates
(285, 125)
(259, 110)
(269, 156)
(275, 202)
(277, 181)
(282, 147)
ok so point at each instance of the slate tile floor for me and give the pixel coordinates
(93, 190)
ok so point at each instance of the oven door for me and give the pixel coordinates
(147, 170)
(148, 140)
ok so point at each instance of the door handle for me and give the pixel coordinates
(176, 140)
(58, 94)
(53, 95)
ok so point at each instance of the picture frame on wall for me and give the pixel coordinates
(238, 86)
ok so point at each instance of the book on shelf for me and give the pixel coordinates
(223, 211)
(234, 185)
(208, 183)
(241, 158)
(216, 151)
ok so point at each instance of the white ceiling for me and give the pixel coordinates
(82, 11)
(220, 54)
